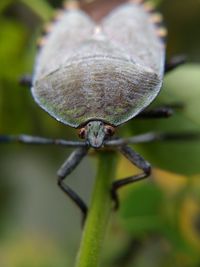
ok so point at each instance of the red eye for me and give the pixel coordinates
(109, 130)
(82, 133)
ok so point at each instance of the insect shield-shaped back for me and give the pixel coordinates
(108, 72)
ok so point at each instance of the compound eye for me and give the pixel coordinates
(109, 130)
(82, 133)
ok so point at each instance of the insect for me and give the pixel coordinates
(97, 70)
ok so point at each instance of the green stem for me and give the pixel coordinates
(99, 213)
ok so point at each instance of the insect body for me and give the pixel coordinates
(95, 72)
(99, 74)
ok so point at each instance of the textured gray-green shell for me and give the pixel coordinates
(109, 71)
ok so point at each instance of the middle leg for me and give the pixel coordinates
(164, 111)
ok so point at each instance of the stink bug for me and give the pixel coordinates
(96, 69)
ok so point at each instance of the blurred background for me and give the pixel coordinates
(158, 223)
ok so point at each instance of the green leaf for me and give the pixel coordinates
(182, 157)
(141, 208)
(183, 85)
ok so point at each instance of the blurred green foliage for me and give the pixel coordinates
(162, 218)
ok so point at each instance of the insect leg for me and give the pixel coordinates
(154, 137)
(157, 113)
(161, 112)
(138, 161)
(174, 62)
(26, 80)
(37, 140)
(68, 166)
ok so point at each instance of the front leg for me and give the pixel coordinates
(138, 161)
(38, 140)
(68, 166)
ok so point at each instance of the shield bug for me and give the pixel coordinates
(98, 67)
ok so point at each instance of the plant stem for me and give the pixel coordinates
(99, 213)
